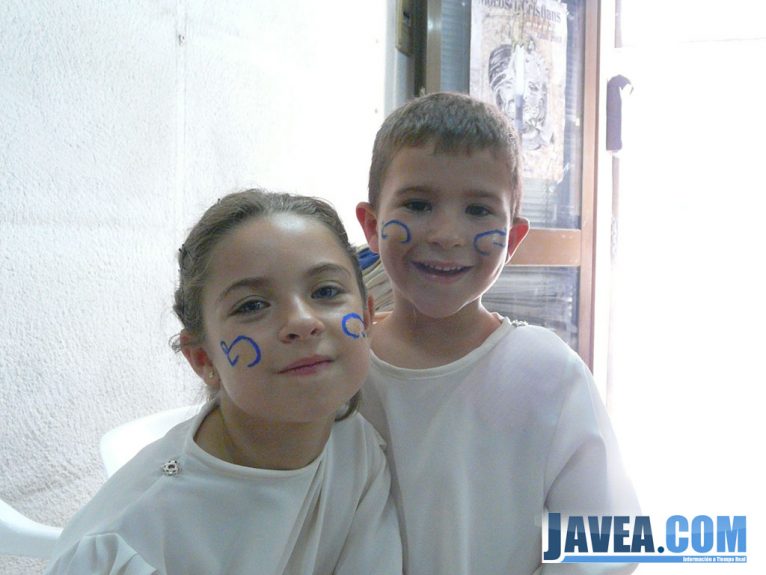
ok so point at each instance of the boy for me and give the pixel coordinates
(489, 424)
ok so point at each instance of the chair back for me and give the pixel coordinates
(120, 444)
(20, 535)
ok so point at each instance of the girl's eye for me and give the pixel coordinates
(326, 292)
(476, 210)
(417, 206)
(251, 306)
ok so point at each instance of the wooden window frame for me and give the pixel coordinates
(543, 246)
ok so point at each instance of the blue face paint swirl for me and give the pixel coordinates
(397, 223)
(359, 332)
(501, 233)
(227, 349)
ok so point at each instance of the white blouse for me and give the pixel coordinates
(175, 508)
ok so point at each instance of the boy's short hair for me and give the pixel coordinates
(452, 123)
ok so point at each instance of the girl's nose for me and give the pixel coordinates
(301, 322)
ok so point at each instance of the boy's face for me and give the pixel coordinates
(442, 227)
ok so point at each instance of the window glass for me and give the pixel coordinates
(545, 296)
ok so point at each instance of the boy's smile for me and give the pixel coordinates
(446, 272)
(456, 210)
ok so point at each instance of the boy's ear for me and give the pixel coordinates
(367, 218)
(516, 235)
(198, 359)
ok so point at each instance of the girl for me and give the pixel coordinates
(278, 473)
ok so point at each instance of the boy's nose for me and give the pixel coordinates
(300, 323)
(445, 232)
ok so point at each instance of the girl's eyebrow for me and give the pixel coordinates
(256, 282)
(251, 282)
(328, 267)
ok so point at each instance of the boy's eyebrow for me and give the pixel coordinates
(403, 191)
(425, 190)
(483, 194)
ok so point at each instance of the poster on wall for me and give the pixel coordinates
(518, 61)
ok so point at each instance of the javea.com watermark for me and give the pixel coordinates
(644, 539)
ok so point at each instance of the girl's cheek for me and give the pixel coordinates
(244, 348)
(353, 326)
(489, 242)
(395, 231)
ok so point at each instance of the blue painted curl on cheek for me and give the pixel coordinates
(398, 224)
(501, 233)
(227, 349)
(357, 328)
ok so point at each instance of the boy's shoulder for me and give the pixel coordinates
(540, 338)
(533, 350)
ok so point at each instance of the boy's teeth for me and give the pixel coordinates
(442, 269)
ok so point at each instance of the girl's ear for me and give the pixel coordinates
(516, 235)
(369, 312)
(198, 359)
(367, 218)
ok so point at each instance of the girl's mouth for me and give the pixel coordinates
(307, 366)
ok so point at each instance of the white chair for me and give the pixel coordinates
(19, 535)
(120, 444)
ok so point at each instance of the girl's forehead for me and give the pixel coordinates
(274, 242)
(267, 232)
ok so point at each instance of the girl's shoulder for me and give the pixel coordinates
(354, 439)
(105, 553)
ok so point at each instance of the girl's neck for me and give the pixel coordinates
(230, 435)
(406, 338)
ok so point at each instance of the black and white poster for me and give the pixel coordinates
(518, 61)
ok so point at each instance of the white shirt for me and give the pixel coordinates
(332, 516)
(480, 447)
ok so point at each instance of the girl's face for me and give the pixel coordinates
(285, 321)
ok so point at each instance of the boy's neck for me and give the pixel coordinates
(406, 338)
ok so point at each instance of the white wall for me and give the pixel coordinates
(689, 315)
(121, 122)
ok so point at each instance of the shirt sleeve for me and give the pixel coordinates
(374, 540)
(103, 554)
(584, 474)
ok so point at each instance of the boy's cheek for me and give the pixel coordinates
(395, 231)
(491, 241)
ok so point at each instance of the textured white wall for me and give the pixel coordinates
(120, 123)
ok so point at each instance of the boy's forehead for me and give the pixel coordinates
(436, 149)
(415, 160)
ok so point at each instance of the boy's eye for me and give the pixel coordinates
(476, 210)
(251, 306)
(417, 206)
(326, 292)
